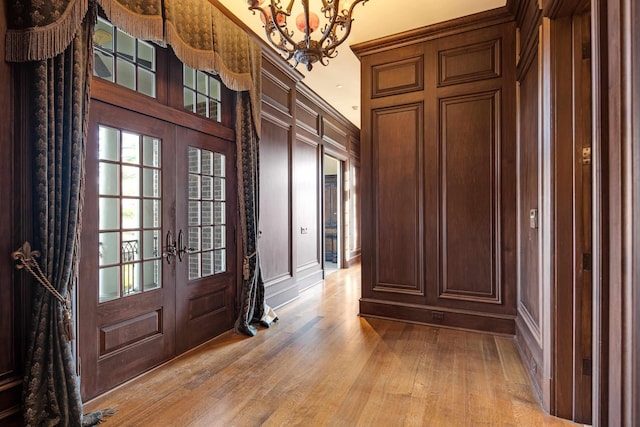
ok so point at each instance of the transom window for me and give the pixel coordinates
(130, 216)
(207, 213)
(123, 59)
(202, 94)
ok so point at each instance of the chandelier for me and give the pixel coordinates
(335, 30)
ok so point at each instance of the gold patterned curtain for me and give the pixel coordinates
(200, 34)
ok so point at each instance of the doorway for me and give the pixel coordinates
(159, 262)
(332, 213)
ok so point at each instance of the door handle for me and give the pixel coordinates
(171, 250)
(182, 248)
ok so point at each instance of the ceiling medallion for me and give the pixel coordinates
(336, 27)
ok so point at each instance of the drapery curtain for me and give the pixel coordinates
(52, 36)
(58, 102)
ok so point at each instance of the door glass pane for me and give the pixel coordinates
(220, 261)
(207, 213)
(207, 209)
(109, 179)
(110, 144)
(109, 284)
(109, 213)
(151, 183)
(151, 244)
(130, 181)
(152, 275)
(109, 248)
(131, 215)
(151, 151)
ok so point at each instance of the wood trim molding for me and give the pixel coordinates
(442, 29)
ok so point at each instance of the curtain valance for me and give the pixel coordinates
(199, 33)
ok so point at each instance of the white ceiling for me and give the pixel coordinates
(339, 82)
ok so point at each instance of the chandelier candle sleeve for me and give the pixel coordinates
(297, 44)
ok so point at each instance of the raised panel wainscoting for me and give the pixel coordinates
(438, 175)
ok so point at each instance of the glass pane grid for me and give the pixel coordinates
(202, 93)
(130, 215)
(207, 208)
(123, 59)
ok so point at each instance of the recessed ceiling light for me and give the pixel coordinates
(355, 107)
(339, 86)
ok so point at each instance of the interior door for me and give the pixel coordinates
(206, 209)
(127, 273)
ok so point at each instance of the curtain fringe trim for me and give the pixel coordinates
(145, 27)
(207, 60)
(40, 43)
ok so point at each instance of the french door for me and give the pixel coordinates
(157, 272)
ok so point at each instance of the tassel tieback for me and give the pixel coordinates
(26, 258)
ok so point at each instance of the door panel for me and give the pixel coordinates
(205, 294)
(127, 288)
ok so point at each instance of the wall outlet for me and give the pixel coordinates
(437, 315)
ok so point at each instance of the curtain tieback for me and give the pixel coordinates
(245, 265)
(26, 258)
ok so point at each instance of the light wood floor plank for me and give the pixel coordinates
(323, 365)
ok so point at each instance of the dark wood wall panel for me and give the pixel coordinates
(469, 63)
(397, 134)
(470, 127)
(333, 134)
(307, 117)
(398, 77)
(275, 203)
(439, 174)
(276, 92)
(307, 184)
(529, 280)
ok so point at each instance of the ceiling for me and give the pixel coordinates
(339, 82)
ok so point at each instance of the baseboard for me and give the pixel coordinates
(439, 316)
(531, 355)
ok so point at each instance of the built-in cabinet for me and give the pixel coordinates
(438, 163)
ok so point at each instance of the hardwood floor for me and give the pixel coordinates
(322, 364)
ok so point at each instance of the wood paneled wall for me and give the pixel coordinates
(531, 307)
(12, 319)
(439, 173)
(554, 321)
(298, 128)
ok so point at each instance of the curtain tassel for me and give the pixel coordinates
(246, 273)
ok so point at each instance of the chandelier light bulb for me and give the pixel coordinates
(314, 22)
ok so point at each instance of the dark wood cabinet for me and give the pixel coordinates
(438, 175)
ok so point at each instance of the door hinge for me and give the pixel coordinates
(587, 368)
(586, 261)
